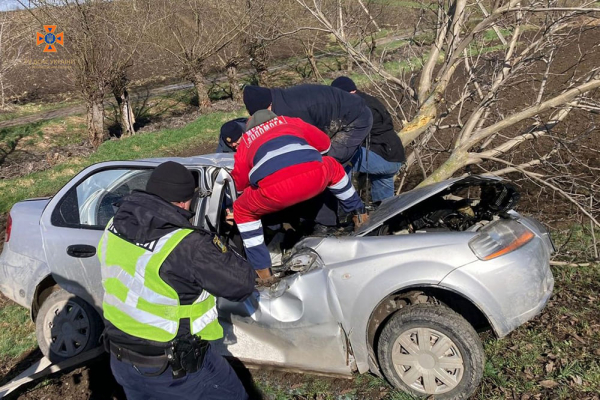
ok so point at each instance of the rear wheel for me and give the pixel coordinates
(66, 326)
(428, 349)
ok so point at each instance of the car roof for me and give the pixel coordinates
(221, 160)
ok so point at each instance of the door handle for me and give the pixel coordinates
(81, 250)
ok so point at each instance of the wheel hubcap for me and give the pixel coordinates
(67, 329)
(427, 361)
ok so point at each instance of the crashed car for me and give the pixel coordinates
(403, 298)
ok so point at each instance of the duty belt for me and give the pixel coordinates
(184, 355)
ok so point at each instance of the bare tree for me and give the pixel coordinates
(458, 101)
(13, 37)
(230, 59)
(195, 31)
(101, 38)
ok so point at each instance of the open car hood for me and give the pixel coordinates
(395, 205)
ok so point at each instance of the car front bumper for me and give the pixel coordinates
(509, 290)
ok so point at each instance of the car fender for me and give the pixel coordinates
(372, 268)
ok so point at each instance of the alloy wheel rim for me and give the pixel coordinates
(427, 361)
(67, 329)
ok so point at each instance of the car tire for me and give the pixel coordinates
(450, 371)
(66, 326)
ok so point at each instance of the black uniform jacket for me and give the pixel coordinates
(325, 107)
(384, 141)
(195, 264)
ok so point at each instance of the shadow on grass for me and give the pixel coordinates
(24, 363)
(94, 381)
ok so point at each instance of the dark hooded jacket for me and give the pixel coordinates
(383, 139)
(325, 107)
(195, 264)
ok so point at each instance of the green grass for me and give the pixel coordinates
(22, 110)
(159, 144)
(11, 136)
(17, 333)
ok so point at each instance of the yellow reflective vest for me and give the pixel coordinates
(138, 302)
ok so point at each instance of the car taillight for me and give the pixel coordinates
(8, 228)
(499, 238)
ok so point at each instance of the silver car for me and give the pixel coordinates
(402, 298)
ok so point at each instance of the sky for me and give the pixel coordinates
(6, 5)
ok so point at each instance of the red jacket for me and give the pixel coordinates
(274, 146)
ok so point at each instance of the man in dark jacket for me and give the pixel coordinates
(160, 276)
(345, 118)
(230, 133)
(384, 154)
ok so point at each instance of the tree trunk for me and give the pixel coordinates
(126, 112)
(349, 64)
(95, 122)
(203, 99)
(310, 55)
(2, 96)
(234, 84)
(259, 59)
(263, 77)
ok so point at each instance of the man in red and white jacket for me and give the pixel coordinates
(279, 163)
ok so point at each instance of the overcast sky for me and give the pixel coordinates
(6, 5)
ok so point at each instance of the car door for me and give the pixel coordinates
(75, 218)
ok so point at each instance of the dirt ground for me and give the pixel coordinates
(559, 318)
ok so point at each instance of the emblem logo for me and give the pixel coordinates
(50, 38)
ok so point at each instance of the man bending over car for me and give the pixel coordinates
(278, 163)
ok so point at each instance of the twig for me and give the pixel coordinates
(568, 264)
(594, 243)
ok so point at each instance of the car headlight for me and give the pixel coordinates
(499, 238)
(304, 260)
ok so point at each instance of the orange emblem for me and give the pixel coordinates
(50, 38)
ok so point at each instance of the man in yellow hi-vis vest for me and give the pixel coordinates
(160, 277)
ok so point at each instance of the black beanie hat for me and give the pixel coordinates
(171, 181)
(344, 83)
(257, 98)
(232, 130)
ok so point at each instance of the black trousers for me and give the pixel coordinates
(216, 380)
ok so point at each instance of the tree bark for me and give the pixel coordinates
(310, 55)
(203, 99)
(95, 122)
(259, 59)
(126, 112)
(234, 83)
(2, 95)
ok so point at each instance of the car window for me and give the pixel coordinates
(91, 202)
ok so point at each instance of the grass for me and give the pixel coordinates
(17, 333)
(159, 144)
(22, 110)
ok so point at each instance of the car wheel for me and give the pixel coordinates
(428, 349)
(66, 326)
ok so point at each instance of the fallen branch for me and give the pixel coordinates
(568, 264)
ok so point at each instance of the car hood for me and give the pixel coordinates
(393, 206)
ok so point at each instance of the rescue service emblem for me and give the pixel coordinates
(219, 245)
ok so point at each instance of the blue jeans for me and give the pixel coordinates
(216, 380)
(381, 173)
